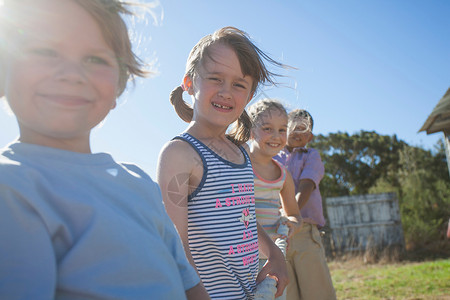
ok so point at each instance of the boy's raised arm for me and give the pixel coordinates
(305, 188)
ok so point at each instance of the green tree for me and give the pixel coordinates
(425, 201)
(366, 162)
(354, 163)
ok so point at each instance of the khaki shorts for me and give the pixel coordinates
(309, 276)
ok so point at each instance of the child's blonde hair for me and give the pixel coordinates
(251, 60)
(106, 13)
(257, 109)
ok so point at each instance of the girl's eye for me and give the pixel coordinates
(214, 79)
(283, 130)
(44, 52)
(267, 129)
(240, 86)
(97, 60)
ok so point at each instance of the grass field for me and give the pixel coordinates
(406, 280)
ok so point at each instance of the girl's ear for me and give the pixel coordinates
(311, 136)
(188, 84)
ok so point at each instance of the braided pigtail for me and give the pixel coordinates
(240, 133)
(183, 109)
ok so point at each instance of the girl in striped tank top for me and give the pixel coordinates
(274, 186)
(205, 174)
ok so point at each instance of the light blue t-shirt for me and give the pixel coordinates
(81, 226)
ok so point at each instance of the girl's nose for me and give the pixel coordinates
(276, 134)
(225, 91)
(71, 71)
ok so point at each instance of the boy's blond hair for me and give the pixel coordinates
(106, 13)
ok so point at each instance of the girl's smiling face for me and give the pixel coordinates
(63, 77)
(220, 91)
(270, 132)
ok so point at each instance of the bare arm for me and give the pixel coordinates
(198, 292)
(289, 204)
(305, 188)
(173, 176)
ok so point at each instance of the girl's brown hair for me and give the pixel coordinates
(251, 59)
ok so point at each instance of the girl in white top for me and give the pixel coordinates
(205, 174)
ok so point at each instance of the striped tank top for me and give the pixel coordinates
(222, 229)
(267, 200)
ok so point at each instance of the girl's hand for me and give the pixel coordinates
(295, 224)
(278, 236)
(275, 267)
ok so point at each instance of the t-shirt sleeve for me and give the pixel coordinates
(27, 261)
(281, 158)
(173, 242)
(313, 168)
(169, 234)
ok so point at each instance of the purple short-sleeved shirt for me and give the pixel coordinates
(306, 164)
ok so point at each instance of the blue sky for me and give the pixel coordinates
(376, 65)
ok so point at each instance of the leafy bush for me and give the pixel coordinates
(367, 162)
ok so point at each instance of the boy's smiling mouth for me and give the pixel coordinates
(65, 100)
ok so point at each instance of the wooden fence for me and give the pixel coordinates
(365, 222)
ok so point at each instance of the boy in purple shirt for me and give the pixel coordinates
(309, 276)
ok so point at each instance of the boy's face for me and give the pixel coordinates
(62, 79)
(299, 134)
